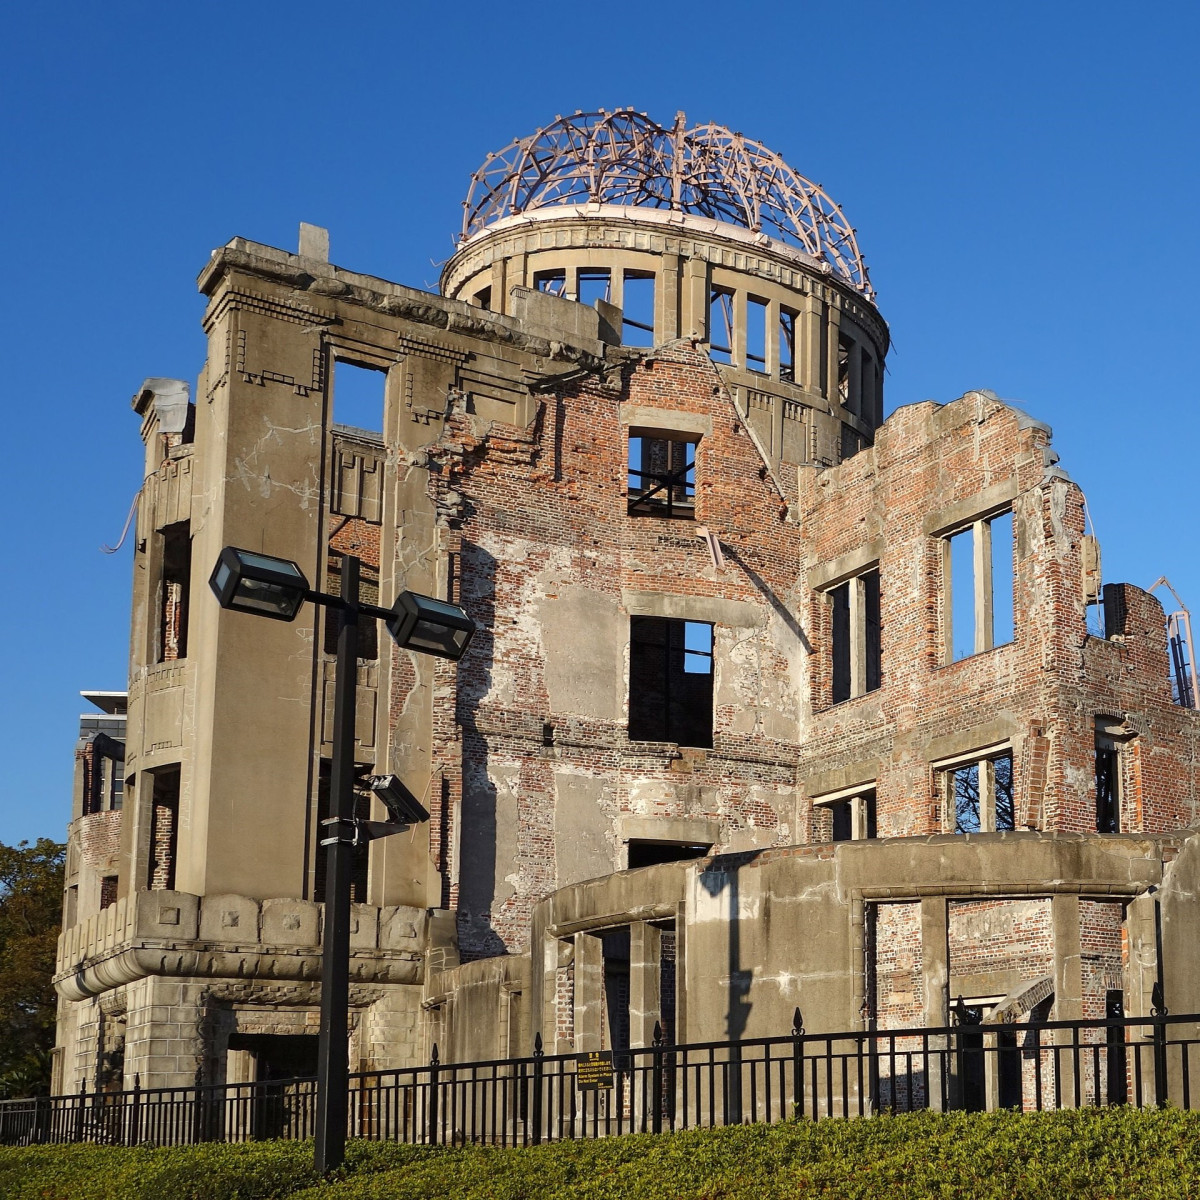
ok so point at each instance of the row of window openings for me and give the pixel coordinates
(977, 607)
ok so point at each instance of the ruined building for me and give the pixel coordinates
(774, 703)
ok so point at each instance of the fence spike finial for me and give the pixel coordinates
(658, 1037)
(433, 1057)
(537, 1045)
(797, 1023)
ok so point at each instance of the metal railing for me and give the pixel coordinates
(522, 1101)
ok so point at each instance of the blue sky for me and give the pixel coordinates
(1022, 177)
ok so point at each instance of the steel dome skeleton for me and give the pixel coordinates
(624, 158)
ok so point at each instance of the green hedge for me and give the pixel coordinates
(1086, 1155)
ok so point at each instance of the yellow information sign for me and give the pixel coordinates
(594, 1071)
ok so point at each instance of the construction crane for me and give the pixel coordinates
(1179, 639)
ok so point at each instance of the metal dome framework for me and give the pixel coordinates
(624, 158)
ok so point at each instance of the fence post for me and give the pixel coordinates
(431, 1109)
(656, 1110)
(1158, 1009)
(797, 1063)
(538, 1068)
(79, 1112)
(133, 1133)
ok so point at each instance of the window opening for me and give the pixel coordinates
(164, 829)
(358, 396)
(637, 316)
(553, 283)
(867, 407)
(648, 853)
(594, 284)
(787, 345)
(108, 891)
(844, 350)
(856, 648)
(846, 819)
(483, 298)
(661, 477)
(104, 775)
(670, 681)
(176, 583)
(756, 334)
(979, 795)
(1114, 1036)
(1108, 786)
(615, 949)
(368, 593)
(979, 576)
(720, 324)
(851, 443)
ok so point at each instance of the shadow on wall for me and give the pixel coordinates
(781, 609)
(721, 875)
(477, 842)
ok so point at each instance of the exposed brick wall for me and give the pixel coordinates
(1007, 937)
(899, 984)
(1048, 685)
(547, 506)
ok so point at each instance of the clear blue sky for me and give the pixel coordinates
(1023, 178)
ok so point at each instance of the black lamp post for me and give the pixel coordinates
(244, 581)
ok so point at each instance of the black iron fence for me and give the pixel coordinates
(1031, 1066)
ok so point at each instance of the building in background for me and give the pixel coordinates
(773, 704)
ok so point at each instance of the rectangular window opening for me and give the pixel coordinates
(648, 853)
(595, 283)
(358, 396)
(670, 681)
(661, 476)
(553, 283)
(978, 795)
(720, 324)
(787, 345)
(1108, 786)
(756, 334)
(855, 637)
(173, 596)
(483, 298)
(979, 574)
(164, 829)
(108, 891)
(846, 819)
(637, 317)
(844, 391)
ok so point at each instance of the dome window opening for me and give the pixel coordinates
(637, 309)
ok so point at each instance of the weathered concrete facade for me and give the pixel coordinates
(728, 741)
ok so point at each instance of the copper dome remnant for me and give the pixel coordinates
(624, 158)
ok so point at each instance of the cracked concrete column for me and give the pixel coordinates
(1068, 983)
(589, 992)
(645, 992)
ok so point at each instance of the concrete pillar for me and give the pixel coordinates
(830, 364)
(667, 300)
(693, 299)
(809, 346)
(1068, 986)
(935, 985)
(645, 980)
(589, 992)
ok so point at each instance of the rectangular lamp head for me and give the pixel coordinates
(401, 804)
(244, 581)
(430, 626)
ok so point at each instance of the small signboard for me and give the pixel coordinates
(594, 1071)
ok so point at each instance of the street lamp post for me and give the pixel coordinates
(244, 581)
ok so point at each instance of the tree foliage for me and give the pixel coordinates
(31, 883)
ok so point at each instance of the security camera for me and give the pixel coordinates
(401, 804)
